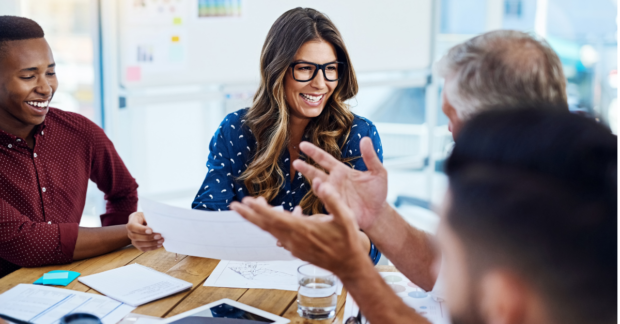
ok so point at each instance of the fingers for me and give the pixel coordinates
(332, 200)
(321, 157)
(137, 224)
(248, 213)
(309, 171)
(147, 246)
(142, 236)
(371, 159)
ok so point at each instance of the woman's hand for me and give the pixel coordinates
(142, 236)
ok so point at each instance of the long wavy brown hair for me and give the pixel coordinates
(268, 117)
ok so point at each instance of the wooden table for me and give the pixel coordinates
(191, 269)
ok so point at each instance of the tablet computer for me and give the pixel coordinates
(225, 311)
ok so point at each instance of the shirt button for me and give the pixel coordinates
(42, 133)
(35, 155)
(44, 190)
(10, 145)
(19, 140)
(49, 222)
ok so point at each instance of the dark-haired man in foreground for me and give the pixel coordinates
(47, 157)
(528, 231)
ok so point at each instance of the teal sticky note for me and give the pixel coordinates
(57, 278)
(55, 275)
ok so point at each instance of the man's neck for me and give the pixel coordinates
(15, 127)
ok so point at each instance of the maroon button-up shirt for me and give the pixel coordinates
(43, 190)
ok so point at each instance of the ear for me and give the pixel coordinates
(503, 298)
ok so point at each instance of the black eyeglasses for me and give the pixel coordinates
(306, 71)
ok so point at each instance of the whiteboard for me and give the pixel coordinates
(175, 46)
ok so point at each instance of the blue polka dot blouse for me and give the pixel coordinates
(232, 148)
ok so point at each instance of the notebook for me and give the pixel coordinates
(135, 284)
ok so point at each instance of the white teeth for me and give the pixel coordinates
(39, 104)
(311, 97)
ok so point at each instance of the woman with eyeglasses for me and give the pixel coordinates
(306, 77)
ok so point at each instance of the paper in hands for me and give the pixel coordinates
(216, 235)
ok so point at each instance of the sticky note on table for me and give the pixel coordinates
(57, 278)
(56, 275)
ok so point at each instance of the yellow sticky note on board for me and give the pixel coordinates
(177, 21)
(175, 39)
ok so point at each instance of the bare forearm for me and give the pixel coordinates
(93, 242)
(376, 299)
(411, 250)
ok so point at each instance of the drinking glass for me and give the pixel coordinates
(316, 298)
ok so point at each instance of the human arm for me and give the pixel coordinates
(32, 244)
(332, 243)
(365, 193)
(96, 241)
(112, 177)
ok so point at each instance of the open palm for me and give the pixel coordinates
(364, 192)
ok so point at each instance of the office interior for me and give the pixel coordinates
(160, 75)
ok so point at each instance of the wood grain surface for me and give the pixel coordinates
(191, 269)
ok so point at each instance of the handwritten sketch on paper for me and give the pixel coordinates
(261, 275)
(258, 275)
(215, 235)
(258, 271)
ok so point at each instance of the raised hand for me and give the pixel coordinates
(328, 241)
(364, 193)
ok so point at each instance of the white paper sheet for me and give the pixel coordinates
(258, 275)
(416, 298)
(216, 235)
(135, 284)
(46, 305)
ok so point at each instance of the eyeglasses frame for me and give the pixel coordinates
(316, 70)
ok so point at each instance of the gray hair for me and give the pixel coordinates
(502, 69)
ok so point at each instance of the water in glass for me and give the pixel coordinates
(316, 298)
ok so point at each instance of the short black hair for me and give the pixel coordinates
(536, 192)
(14, 28)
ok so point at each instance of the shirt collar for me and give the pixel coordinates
(8, 138)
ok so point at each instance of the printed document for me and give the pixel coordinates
(216, 235)
(135, 284)
(47, 305)
(280, 275)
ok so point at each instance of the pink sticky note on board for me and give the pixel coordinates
(133, 73)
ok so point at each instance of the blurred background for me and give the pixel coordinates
(160, 75)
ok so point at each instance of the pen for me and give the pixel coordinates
(13, 320)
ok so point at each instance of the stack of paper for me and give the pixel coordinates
(45, 305)
(135, 284)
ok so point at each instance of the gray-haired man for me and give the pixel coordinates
(497, 70)
(503, 68)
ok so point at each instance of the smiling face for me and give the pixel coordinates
(27, 84)
(307, 99)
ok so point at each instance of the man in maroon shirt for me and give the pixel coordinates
(46, 158)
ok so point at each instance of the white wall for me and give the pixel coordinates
(10, 7)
